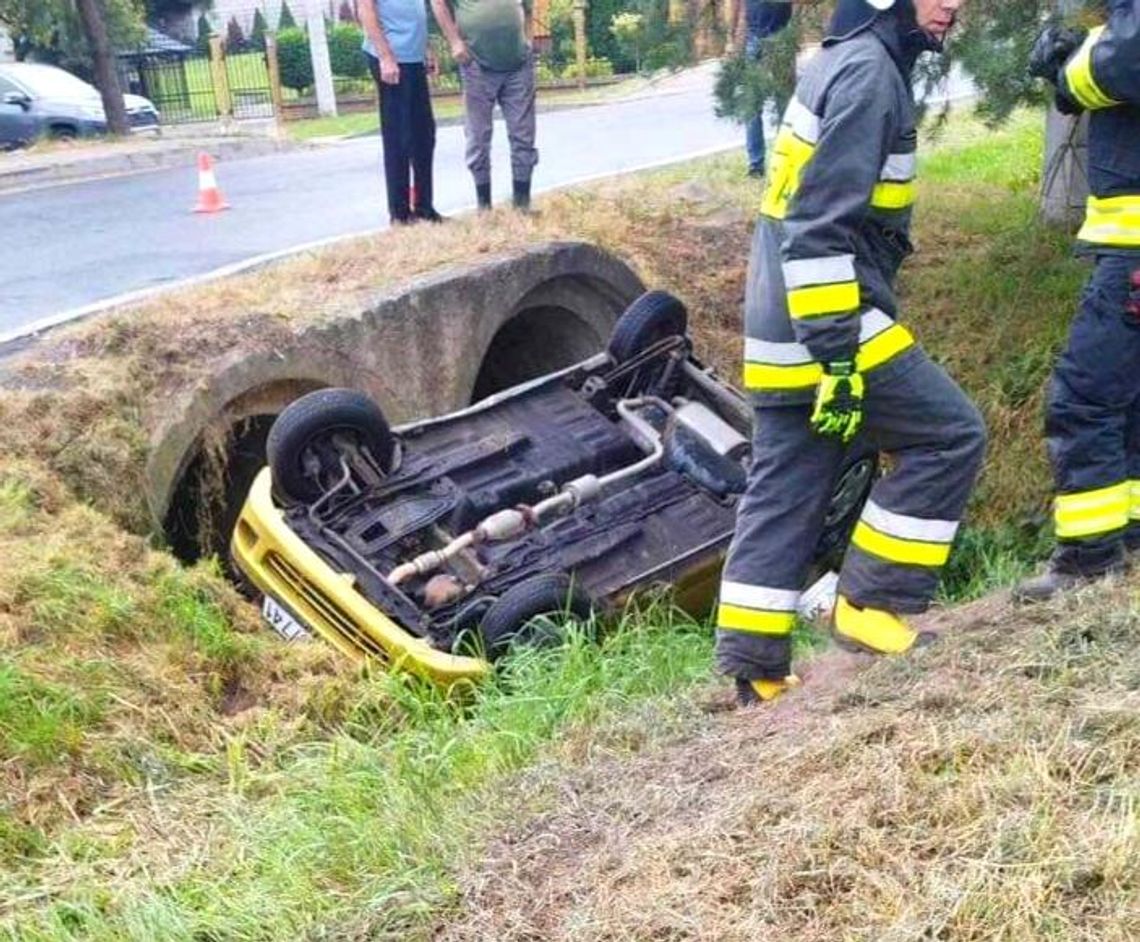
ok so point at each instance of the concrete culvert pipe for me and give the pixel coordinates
(427, 348)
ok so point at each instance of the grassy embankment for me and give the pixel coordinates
(171, 772)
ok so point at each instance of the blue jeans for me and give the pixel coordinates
(754, 129)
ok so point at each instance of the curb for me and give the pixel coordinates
(111, 165)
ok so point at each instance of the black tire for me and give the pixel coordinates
(526, 614)
(847, 499)
(302, 437)
(62, 132)
(650, 318)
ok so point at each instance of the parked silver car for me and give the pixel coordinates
(44, 101)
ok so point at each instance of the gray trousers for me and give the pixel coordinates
(514, 92)
(935, 440)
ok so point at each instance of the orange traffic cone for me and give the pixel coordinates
(210, 199)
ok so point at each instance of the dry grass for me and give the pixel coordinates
(983, 789)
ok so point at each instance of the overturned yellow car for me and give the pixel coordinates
(436, 546)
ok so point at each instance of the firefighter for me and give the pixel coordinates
(1092, 424)
(825, 359)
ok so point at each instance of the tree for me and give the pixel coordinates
(258, 30)
(294, 60)
(629, 30)
(286, 21)
(235, 38)
(93, 15)
(202, 43)
(347, 12)
(52, 31)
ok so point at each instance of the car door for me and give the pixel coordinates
(17, 123)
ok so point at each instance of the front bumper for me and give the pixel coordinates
(280, 564)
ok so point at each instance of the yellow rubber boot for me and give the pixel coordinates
(872, 629)
(750, 692)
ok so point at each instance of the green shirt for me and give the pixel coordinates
(493, 31)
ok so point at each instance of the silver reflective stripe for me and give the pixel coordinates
(899, 168)
(802, 121)
(874, 323)
(908, 528)
(758, 597)
(790, 353)
(818, 271)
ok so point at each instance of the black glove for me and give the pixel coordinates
(1052, 49)
(1067, 105)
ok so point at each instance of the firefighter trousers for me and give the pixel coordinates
(935, 438)
(1092, 425)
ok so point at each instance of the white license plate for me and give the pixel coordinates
(282, 622)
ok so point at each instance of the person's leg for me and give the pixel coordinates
(778, 523)
(422, 123)
(1091, 400)
(936, 438)
(1132, 449)
(754, 129)
(394, 136)
(517, 101)
(479, 92)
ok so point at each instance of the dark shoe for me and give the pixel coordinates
(483, 196)
(755, 171)
(401, 219)
(520, 196)
(429, 215)
(1054, 581)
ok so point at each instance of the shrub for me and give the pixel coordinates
(545, 72)
(293, 59)
(595, 68)
(345, 56)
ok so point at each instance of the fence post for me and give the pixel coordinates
(580, 39)
(319, 51)
(223, 100)
(274, 70)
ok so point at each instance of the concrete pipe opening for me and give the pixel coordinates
(536, 341)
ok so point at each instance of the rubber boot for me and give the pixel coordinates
(874, 631)
(1056, 579)
(483, 196)
(521, 195)
(756, 692)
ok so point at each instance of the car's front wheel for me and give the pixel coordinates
(317, 436)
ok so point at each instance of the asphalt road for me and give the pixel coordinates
(73, 245)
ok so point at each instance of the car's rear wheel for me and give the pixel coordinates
(63, 132)
(533, 613)
(313, 439)
(847, 500)
(651, 317)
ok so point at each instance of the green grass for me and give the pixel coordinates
(365, 827)
(42, 722)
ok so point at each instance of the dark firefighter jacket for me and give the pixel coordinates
(1104, 76)
(835, 217)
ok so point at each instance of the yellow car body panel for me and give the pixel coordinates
(282, 566)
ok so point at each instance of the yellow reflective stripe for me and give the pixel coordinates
(783, 377)
(883, 347)
(1112, 220)
(1091, 513)
(1134, 503)
(753, 621)
(896, 550)
(790, 154)
(1079, 75)
(891, 195)
(824, 300)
